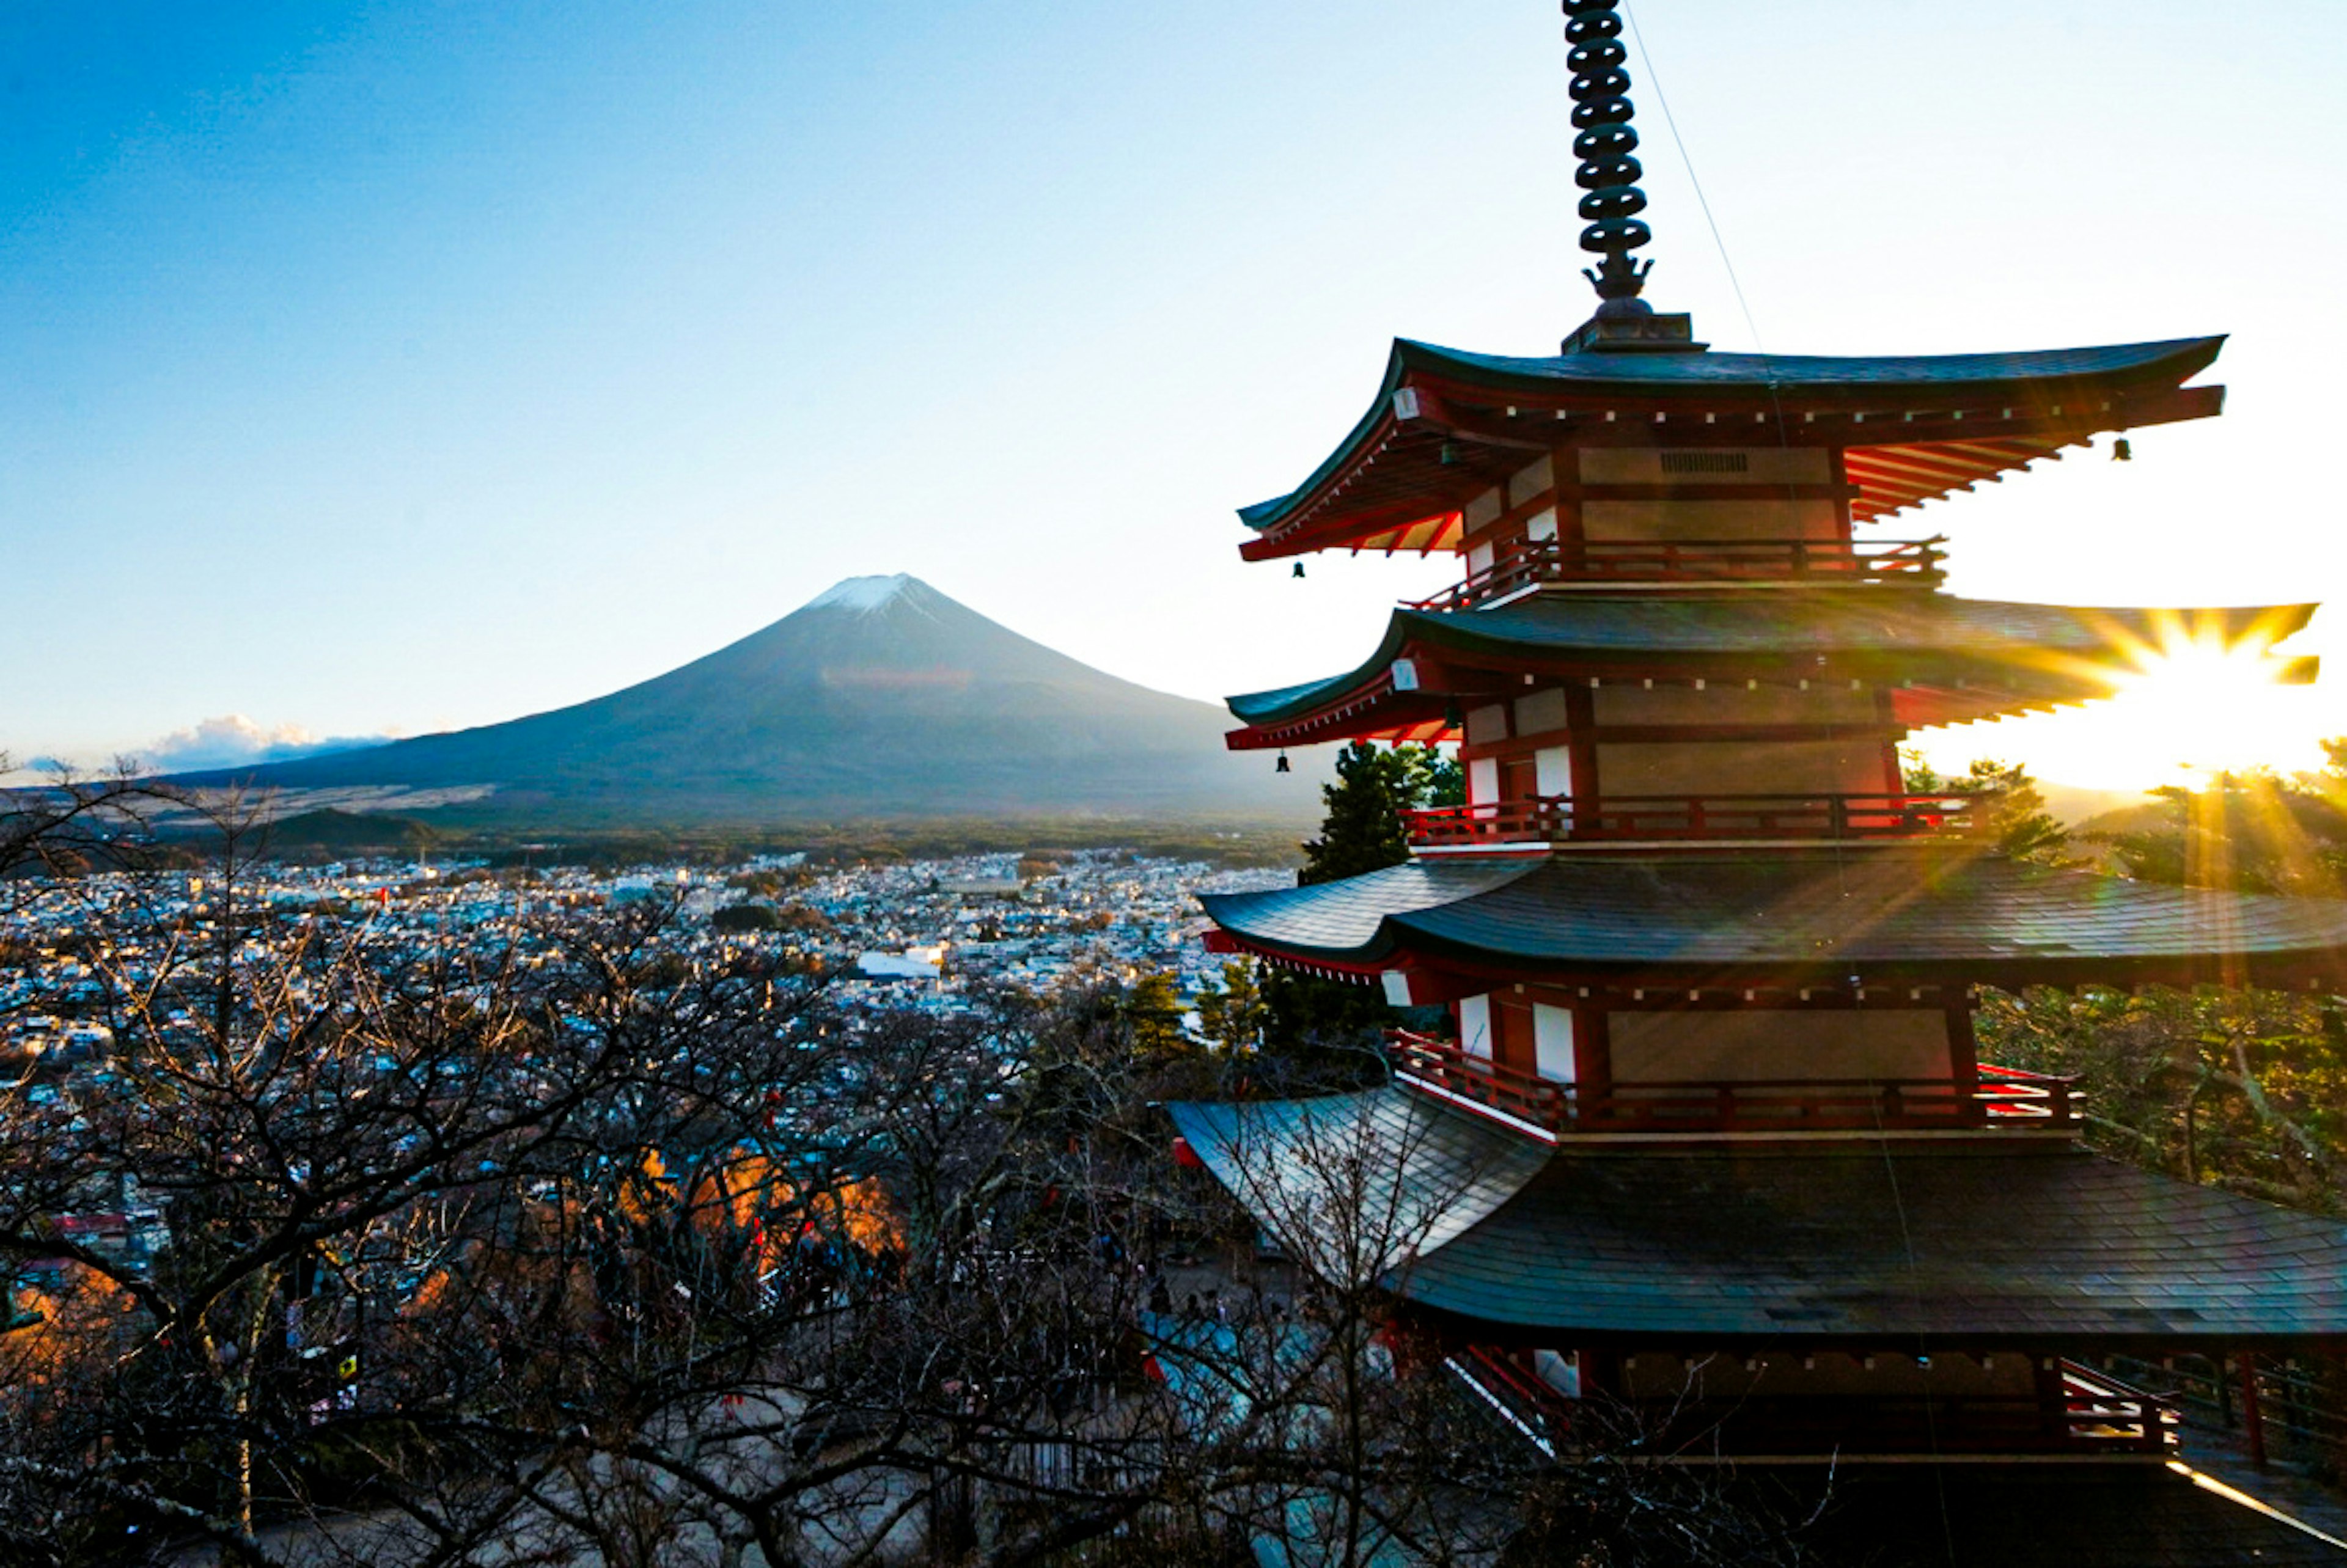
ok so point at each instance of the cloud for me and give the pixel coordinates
(232, 740)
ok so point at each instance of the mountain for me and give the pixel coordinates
(880, 697)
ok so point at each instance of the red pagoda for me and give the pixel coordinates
(1710, 1132)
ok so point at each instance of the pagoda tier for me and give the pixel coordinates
(1794, 1246)
(1708, 917)
(1634, 995)
(1818, 665)
(1898, 1299)
(1863, 437)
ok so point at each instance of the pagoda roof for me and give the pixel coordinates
(1686, 917)
(1869, 1241)
(1447, 423)
(2026, 655)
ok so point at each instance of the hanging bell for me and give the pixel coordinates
(1281, 766)
(1453, 718)
(2121, 452)
(1299, 569)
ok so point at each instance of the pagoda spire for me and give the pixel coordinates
(1611, 199)
(1608, 173)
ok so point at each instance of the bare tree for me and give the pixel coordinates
(591, 1236)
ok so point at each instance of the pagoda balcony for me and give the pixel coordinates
(2082, 1411)
(1600, 563)
(1997, 1099)
(1538, 822)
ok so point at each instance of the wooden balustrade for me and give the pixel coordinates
(1999, 1097)
(1538, 562)
(1571, 819)
(2077, 1422)
(2079, 1409)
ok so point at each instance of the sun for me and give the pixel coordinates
(2191, 705)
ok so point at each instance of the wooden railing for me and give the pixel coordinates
(2087, 1417)
(1997, 1097)
(1536, 562)
(1564, 819)
(1442, 1065)
(2076, 1409)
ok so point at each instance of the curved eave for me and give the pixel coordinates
(2015, 1244)
(1446, 424)
(1950, 660)
(1716, 918)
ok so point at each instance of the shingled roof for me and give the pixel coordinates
(1868, 1241)
(1446, 423)
(1928, 646)
(1694, 915)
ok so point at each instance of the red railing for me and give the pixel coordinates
(1536, 562)
(1560, 819)
(1999, 1096)
(2082, 1418)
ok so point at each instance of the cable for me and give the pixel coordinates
(1662, 99)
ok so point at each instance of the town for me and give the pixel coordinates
(915, 934)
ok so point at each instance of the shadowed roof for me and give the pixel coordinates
(1938, 915)
(1866, 1241)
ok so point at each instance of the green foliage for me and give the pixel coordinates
(1362, 830)
(746, 918)
(1231, 1013)
(1152, 1016)
(2254, 833)
(2237, 1088)
(1330, 1023)
(2019, 825)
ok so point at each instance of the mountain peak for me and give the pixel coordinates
(863, 595)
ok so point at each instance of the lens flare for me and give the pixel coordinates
(2191, 704)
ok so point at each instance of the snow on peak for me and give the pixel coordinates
(863, 594)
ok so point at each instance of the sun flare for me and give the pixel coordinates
(2193, 705)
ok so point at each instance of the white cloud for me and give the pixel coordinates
(232, 739)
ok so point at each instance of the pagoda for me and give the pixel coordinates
(1709, 1133)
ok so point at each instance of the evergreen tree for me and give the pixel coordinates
(2251, 832)
(1363, 828)
(2019, 825)
(1151, 1012)
(1231, 1013)
(1330, 1022)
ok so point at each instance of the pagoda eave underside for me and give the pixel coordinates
(1404, 485)
(1378, 713)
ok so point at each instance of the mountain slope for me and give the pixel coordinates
(879, 697)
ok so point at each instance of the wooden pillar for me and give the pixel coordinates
(1963, 1053)
(1572, 537)
(2253, 1418)
(1579, 722)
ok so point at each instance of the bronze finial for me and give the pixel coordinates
(1608, 174)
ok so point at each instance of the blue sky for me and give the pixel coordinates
(383, 368)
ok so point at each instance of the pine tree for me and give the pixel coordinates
(1306, 1017)
(1363, 828)
(2018, 824)
(1231, 1013)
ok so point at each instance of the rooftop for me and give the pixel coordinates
(1701, 916)
(1871, 1241)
